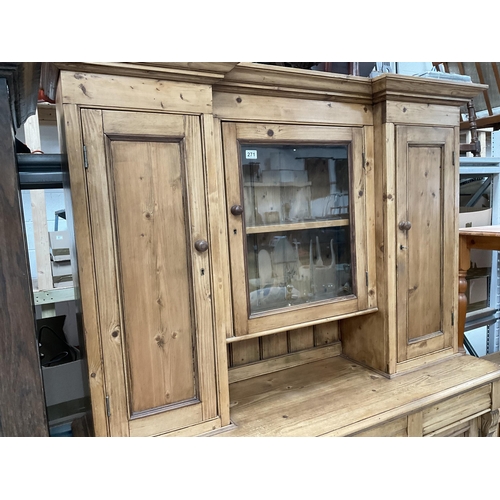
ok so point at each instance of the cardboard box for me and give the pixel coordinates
(477, 290)
(61, 272)
(59, 245)
(473, 217)
(64, 382)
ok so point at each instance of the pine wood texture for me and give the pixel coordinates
(257, 108)
(171, 347)
(426, 187)
(129, 93)
(336, 397)
(156, 301)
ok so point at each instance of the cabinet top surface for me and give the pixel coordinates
(338, 397)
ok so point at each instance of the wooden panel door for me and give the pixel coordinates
(145, 182)
(426, 240)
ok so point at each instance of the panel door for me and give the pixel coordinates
(426, 240)
(145, 182)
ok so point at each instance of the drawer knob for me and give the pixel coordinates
(405, 225)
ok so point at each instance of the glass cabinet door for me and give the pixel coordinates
(296, 205)
(291, 216)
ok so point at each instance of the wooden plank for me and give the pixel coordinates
(235, 229)
(274, 345)
(200, 262)
(196, 430)
(417, 113)
(301, 338)
(314, 322)
(294, 226)
(272, 365)
(361, 248)
(133, 93)
(41, 237)
(246, 351)
(22, 404)
(273, 133)
(39, 212)
(103, 249)
(370, 214)
(221, 285)
(252, 108)
(153, 425)
(326, 333)
(284, 319)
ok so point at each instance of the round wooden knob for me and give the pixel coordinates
(201, 245)
(405, 225)
(236, 209)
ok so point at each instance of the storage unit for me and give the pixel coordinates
(284, 236)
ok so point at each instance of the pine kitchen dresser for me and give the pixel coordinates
(268, 251)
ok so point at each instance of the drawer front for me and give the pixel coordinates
(441, 417)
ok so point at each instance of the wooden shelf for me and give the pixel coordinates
(297, 226)
(337, 397)
(54, 295)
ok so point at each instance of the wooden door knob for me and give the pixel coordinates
(405, 225)
(201, 245)
(236, 209)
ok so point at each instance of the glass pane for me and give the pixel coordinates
(286, 184)
(296, 206)
(290, 268)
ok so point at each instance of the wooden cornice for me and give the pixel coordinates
(204, 73)
(393, 87)
(265, 79)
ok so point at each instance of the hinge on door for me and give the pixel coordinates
(366, 279)
(108, 410)
(453, 158)
(364, 159)
(452, 319)
(85, 160)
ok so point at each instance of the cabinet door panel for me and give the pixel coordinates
(152, 187)
(298, 226)
(426, 229)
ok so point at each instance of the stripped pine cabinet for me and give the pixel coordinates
(269, 251)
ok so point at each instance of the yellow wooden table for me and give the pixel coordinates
(481, 238)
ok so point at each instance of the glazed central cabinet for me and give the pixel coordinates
(262, 250)
(297, 223)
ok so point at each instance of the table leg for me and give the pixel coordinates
(464, 264)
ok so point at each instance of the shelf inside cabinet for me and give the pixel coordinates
(295, 226)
